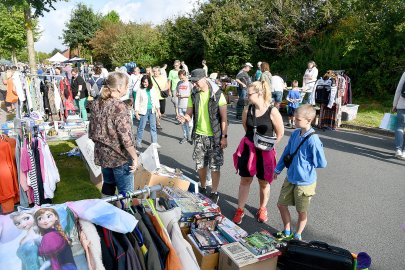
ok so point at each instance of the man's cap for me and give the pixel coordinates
(197, 74)
(248, 64)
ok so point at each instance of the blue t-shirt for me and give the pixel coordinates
(293, 94)
(309, 157)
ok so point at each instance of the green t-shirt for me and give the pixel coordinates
(203, 121)
(174, 77)
(149, 99)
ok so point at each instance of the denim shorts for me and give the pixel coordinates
(207, 154)
(119, 177)
(277, 96)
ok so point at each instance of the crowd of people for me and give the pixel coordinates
(120, 100)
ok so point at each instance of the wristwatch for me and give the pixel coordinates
(224, 135)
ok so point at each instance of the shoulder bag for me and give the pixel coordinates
(164, 93)
(262, 142)
(289, 157)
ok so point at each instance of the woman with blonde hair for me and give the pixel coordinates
(250, 160)
(110, 129)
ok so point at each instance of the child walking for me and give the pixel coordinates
(183, 91)
(299, 186)
(293, 98)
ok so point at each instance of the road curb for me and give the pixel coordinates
(378, 131)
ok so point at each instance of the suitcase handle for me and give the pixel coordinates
(320, 244)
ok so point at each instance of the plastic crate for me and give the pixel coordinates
(349, 112)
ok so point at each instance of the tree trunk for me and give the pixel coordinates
(14, 56)
(30, 40)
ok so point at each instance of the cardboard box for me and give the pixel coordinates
(235, 256)
(206, 262)
(143, 177)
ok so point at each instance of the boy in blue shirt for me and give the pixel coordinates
(300, 183)
(293, 98)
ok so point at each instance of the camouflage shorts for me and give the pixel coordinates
(207, 154)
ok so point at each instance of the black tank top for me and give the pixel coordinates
(264, 124)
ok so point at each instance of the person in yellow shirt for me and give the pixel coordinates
(208, 105)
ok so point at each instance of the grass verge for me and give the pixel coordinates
(75, 181)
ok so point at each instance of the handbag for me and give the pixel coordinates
(289, 157)
(262, 142)
(389, 122)
(164, 93)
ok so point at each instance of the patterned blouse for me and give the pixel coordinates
(110, 129)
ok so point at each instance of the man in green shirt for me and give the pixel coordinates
(207, 104)
(173, 80)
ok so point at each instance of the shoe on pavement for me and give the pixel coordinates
(297, 236)
(190, 141)
(399, 154)
(203, 191)
(159, 127)
(214, 197)
(262, 215)
(183, 141)
(237, 218)
(281, 236)
(157, 145)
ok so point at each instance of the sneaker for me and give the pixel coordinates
(237, 218)
(262, 215)
(159, 127)
(183, 141)
(398, 154)
(281, 236)
(297, 236)
(157, 145)
(203, 191)
(214, 197)
(190, 141)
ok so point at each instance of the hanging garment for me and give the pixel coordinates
(138, 250)
(44, 91)
(40, 180)
(162, 248)
(58, 99)
(170, 219)
(21, 177)
(173, 261)
(151, 255)
(18, 86)
(11, 95)
(9, 192)
(50, 173)
(91, 244)
(27, 91)
(32, 178)
(67, 97)
(52, 101)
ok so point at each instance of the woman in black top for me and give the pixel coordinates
(250, 161)
(79, 92)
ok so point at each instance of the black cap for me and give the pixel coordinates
(197, 74)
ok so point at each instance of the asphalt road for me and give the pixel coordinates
(360, 202)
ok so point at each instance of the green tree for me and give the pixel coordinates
(112, 17)
(54, 51)
(32, 10)
(12, 31)
(81, 28)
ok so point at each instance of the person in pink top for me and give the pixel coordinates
(249, 160)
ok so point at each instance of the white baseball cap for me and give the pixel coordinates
(248, 64)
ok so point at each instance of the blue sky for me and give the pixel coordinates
(154, 11)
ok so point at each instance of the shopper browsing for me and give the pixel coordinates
(183, 91)
(207, 104)
(110, 129)
(294, 99)
(304, 152)
(146, 110)
(248, 159)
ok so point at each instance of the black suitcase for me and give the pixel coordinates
(315, 255)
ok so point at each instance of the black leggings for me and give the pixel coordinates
(162, 103)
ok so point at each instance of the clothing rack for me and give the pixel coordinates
(146, 190)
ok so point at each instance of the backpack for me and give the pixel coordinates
(322, 92)
(94, 90)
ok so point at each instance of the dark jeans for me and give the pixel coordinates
(162, 103)
(119, 177)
